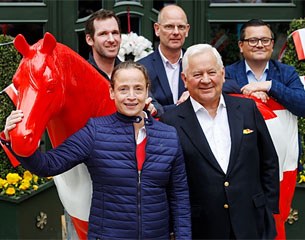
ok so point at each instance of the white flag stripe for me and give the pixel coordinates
(74, 189)
(284, 133)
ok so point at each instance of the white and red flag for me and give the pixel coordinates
(283, 128)
(299, 42)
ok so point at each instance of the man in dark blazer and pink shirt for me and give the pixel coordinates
(231, 162)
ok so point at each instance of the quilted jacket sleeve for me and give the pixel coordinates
(179, 199)
(64, 157)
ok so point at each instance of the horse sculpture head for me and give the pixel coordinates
(57, 90)
(40, 91)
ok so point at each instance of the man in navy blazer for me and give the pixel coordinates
(164, 64)
(262, 78)
(231, 162)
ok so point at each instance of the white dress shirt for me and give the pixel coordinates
(216, 131)
(172, 73)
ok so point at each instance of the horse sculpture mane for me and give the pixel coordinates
(59, 91)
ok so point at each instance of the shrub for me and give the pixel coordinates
(9, 62)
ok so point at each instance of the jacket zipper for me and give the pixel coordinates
(139, 205)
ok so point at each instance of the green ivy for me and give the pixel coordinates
(9, 61)
(290, 57)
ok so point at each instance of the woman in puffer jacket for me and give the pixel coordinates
(136, 165)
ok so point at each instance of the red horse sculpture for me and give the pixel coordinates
(59, 91)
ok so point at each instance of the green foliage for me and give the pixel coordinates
(9, 62)
(291, 58)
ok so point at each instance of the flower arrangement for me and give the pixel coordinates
(136, 45)
(14, 185)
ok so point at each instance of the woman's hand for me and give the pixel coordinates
(183, 97)
(150, 107)
(11, 122)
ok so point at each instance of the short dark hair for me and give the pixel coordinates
(101, 14)
(128, 65)
(253, 23)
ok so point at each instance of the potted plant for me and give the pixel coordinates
(296, 220)
(29, 204)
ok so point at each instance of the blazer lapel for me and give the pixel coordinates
(273, 73)
(192, 129)
(241, 75)
(236, 124)
(181, 87)
(162, 77)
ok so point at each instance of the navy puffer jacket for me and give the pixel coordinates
(124, 205)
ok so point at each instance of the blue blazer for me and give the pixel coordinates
(160, 88)
(250, 188)
(286, 88)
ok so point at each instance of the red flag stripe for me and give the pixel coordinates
(282, 52)
(81, 227)
(299, 42)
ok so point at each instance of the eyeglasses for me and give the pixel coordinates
(254, 41)
(171, 27)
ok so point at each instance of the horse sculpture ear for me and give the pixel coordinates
(22, 45)
(49, 43)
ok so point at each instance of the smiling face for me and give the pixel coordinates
(204, 79)
(172, 27)
(258, 53)
(107, 38)
(129, 91)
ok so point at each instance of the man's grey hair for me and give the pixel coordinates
(199, 49)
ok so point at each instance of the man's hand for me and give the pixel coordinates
(263, 96)
(183, 97)
(256, 87)
(150, 107)
(11, 121)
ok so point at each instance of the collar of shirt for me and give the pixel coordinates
(91, 60)
(251, 76)
(167, 63)
(142, 131)
(172, 74)
(197, 106)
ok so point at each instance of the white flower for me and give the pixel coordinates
(136, 45)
